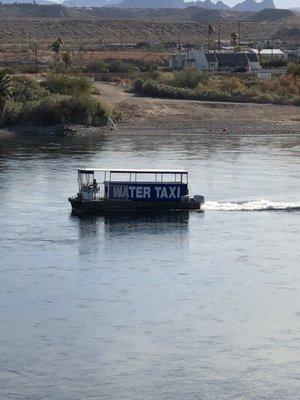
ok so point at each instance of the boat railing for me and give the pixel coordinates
(90, 192)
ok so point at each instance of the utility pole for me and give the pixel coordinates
(219, 36)
(22, 40)
(122, 35)
(239, 33)
(36, 58)
(179, 37)
(272, 48)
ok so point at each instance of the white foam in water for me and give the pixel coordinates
(255, 205)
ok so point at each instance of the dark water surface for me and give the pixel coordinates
(205, 306)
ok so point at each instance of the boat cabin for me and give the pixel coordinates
(133, 184)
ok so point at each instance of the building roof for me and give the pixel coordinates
(232, 59)
(268, 51)
(271, 51)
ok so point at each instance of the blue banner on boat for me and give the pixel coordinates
(146, 191)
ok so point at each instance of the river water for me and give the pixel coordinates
(204, 306)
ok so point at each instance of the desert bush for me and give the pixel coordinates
(145, 66)
(97, 67)
(232, 85)
(253, 91)
(120, 66)
(286, 85)
(26, 89)
(13, 113)
(166, 77)
(76, 110)
(59, 109)
(32, 103)
(296, 101)
(113, 66)
(6, 71)
(283, 90)
(67, 85)
(293, 69)
(191, 78)
(273, 63)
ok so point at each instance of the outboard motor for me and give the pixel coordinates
(199, 199)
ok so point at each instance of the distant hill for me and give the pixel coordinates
(89, 3)
(188, 14)
(252, 5)
(42, 2)
(152, 4)
(246, 5)
(208, 4)
(272, 15)
(289, 33)
(35, 10)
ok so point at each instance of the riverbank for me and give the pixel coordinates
(167, 114)
(205, 117)
(57, 104)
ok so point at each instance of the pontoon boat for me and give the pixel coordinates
(126, 190)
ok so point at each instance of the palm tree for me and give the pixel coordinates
(210, 31)
(5, 94)
(56, 48)
(234, 38)
(67, 59)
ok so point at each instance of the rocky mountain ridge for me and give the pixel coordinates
(245, 5)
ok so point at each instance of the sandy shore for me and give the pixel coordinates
(203, 116)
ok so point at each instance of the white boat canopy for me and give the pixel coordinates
(133, 171)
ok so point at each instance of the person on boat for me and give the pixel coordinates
(95, 184)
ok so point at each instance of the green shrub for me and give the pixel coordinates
(59, 109)
(233, 86)
(13, 113)
(283, 90)
(149, 67)
(296, 101)
(67, 85)
(97, 67)
(68, 101)
(26, 89)
(6, 71)
(191, 78)
(273, 63)
(76, 110)
(293, 69)
(120, 66)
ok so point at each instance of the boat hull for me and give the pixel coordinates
(112, 206)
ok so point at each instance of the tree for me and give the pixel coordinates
(234, 38)
(210, 31)
(5, 94)
(67, 59)
(56, 48)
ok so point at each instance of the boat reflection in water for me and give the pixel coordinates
(120, 233)
(144, 222)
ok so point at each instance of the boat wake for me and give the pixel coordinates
(255, 205)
